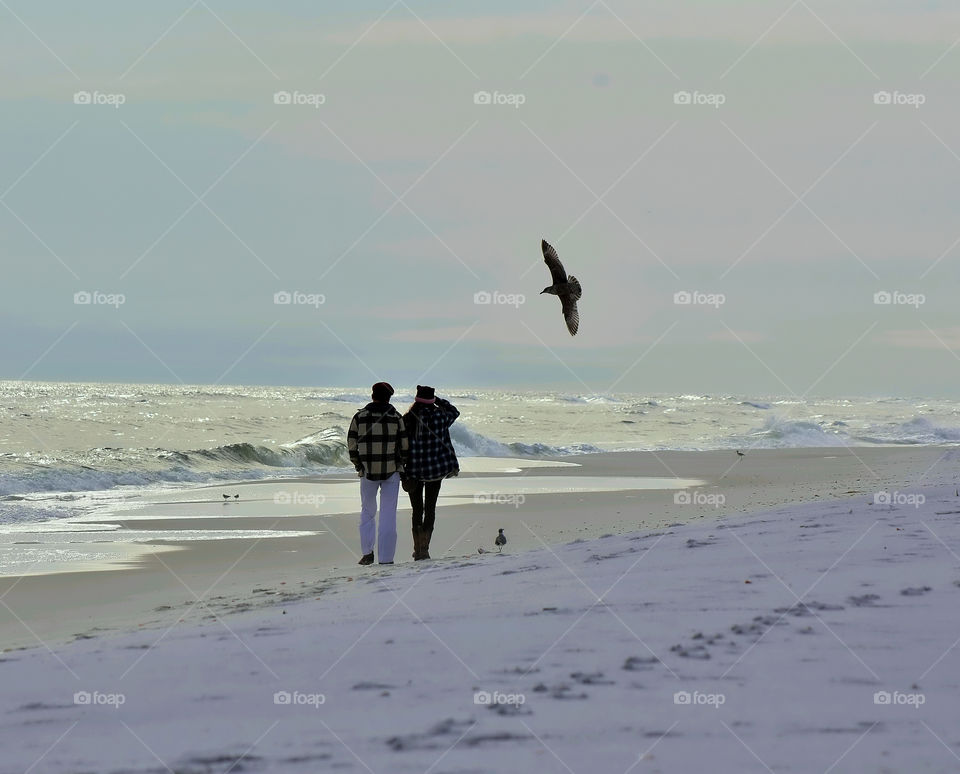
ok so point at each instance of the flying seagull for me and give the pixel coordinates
(501, 541)
(564, 287)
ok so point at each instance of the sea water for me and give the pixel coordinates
(71, 451)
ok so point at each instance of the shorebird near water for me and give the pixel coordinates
(740, 454)
(501, 541)
(565, 287)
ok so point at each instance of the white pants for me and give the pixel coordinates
(387, 538)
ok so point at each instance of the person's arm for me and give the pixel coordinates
(353, 435)
(403, 446)
(449, 410)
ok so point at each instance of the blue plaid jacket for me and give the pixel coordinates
(431, 455)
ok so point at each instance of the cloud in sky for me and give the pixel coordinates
(401, 194)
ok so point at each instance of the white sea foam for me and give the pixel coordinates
(127, 440)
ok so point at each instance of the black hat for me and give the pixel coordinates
(382, 392)
(425, 394)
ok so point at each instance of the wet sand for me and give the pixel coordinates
(220, 577)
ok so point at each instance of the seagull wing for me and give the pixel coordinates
(570, 313)
(552, 260)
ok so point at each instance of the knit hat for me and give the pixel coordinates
(425, 394)
(382, 392)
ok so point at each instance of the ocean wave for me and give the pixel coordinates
(361, 399)
(101, 469)
(468, 443)
(779, 433)
(596, 400)
(918, 430)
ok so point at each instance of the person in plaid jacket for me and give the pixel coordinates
(378, 446)
(432, 459)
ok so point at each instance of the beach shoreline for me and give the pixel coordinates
(806, 637)
(219, 577)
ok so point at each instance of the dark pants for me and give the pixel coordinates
(423, 498)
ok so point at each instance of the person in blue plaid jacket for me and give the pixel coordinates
(430, 460)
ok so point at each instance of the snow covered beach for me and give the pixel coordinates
(808, 637)
(286, 530)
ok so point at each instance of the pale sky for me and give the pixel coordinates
(302, 198)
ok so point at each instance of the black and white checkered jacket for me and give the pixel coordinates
(377, 441)
(431, 451)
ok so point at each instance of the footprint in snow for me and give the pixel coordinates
(696, 651)
(510, 710)
(864, 600)
(437, 737)
(591, 678)
(640, 663)
(560, 691)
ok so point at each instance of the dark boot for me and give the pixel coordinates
(416, 543)
(425, 543)
(367, 559)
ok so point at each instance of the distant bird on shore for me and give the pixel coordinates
(236, 497)
(226, 497)
(501, 541)
(741, 454)
(566, 288)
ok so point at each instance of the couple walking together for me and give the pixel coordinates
(389, 450)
